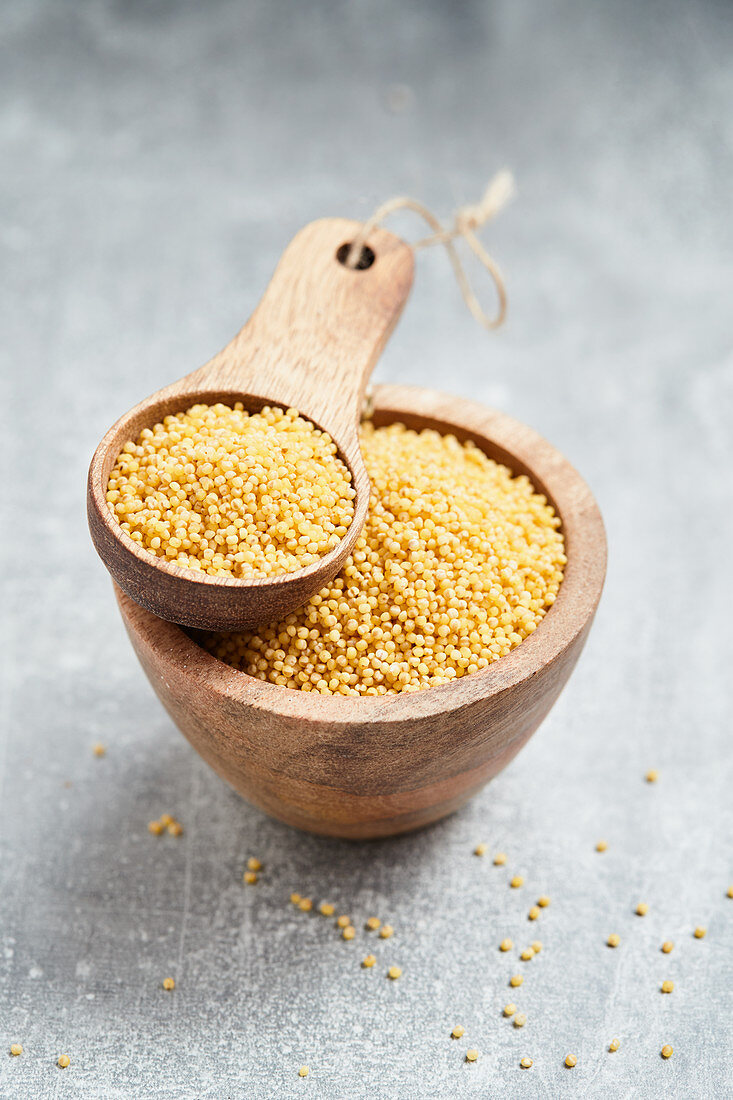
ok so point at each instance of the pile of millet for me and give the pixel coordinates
(457, 564)
(232, 493)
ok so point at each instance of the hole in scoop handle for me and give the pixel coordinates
(319, 328)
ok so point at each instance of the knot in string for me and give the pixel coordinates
(466, 220)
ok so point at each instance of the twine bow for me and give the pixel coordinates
(466, 221)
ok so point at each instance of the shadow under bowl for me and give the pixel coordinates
(374, 767)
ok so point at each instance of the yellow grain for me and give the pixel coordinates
(228, 493)
(458, 562)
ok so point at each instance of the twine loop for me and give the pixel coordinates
(466, 221)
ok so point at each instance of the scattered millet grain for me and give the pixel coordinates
(602, 845)
(175, 828)
(533, 913)
(480, 850)
(99, 749)
(250, 877)
(527, 954)
(253, 864)
(516, 882)
(499, 859)
(369, 961)
(16, 1049)
(394, 973)
(349, 932)
(373, 924)
(520, 1019)
(667, 987)
(458, 562)
(471, 1055)
(536, 946)
(166, 820)
(510, 1009)
(155, 828)
(571, 1061)
(515, 980)
(729, 892)
(303, 1071)
(169, 983)
(506, 945)
(63, 1061)
(614, 1045)
(305, 905)
(666, 1051)
(343, 921)
(386, 931)
(642, 909)
(700, 933)
(613, 940)
(457, 1031)
(667, 946)
(652, 776)
(326, 909)
(526, 1063)
(543, 901)
(229, 493)
(295, 899)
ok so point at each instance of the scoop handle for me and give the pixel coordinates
(319, 328)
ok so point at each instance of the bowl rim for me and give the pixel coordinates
(585, 542)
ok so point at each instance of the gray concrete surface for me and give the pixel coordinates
(156, 158)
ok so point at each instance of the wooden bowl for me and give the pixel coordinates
(372, 767)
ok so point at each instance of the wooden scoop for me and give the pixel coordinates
(311, 344)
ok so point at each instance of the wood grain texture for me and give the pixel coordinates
(374, 767)
(311, 343)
